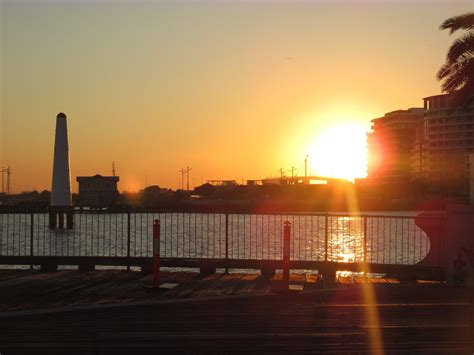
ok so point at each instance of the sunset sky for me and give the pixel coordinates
(233, 89)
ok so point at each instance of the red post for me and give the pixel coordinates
(156, 253)
(286, 254)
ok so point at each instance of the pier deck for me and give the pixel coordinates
(111, 312)
(32, 289)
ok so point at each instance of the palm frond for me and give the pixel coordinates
(461, 22)
(461, 49)
(458, 77)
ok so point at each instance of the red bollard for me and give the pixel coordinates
(156, 254)
(286, 255)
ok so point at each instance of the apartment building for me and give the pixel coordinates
(390, 145)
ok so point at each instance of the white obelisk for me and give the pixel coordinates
(61, 184)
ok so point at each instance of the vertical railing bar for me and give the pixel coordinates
(213, 235)
(104, 236)
(177, 235)
(37, 232)
(19, 234)
(208, 239)
(86, 233)
(365, 239)
(326, 230)
(390, 243)
(8, 232)
(171, 235)
(249, 242)
(110, 234)
(250, 237)
(220, 236)
(1, 233)
(201, 217)
(183, 241)
(25, 238)
(300, 240)
(274, 237)
(128, 239)
(195, 235)
(238, 236)
(262, 219)
(245, 232)
(403, 238)
(384, 237)
(268, 237)
(226, 243)
(51, 243)
(414, 242)
(122, 234)
(189, 235)
(116, 233)
(256, 237)
(396, 221)
(372, 239)
(9, 217)
(135, 241)
(318, 228)
(44, 236)
(31, 240)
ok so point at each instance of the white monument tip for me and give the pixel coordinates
(61, 184)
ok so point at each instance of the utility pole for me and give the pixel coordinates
(8, 172)
(293, 171)
(188, 169)
(3, 180)
(282, 172)
(306, 166)
(182, 171)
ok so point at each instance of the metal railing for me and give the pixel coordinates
(315, 237)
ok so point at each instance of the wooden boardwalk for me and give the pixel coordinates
(31, 289)
(111, 312)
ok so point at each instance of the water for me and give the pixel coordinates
(392, 239)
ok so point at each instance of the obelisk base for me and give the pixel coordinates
(56, 217)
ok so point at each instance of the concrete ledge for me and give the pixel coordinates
(49, 267)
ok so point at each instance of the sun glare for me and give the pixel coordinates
(340, 152)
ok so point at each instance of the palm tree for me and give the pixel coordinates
(458, 71)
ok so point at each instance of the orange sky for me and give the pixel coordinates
(234, 89)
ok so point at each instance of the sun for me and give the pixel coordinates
(340, 152)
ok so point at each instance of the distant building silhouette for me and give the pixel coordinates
(97, 191)
(390, 146)
(223, 183)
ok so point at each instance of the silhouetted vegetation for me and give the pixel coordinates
(458, 71)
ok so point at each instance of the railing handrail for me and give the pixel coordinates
(436, 214)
